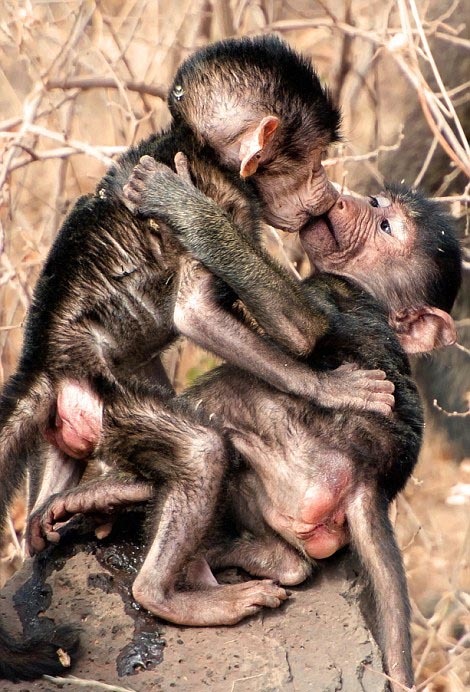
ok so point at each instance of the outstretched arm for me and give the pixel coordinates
(208, 234)
(199, 316)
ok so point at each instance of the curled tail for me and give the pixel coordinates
(24, 412)
(41, 654)
(374, 540)
(25, 408)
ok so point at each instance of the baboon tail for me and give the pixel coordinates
(41, 654)
(24, 411)
(374, 541)
(25, 407)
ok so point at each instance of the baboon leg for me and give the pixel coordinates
(59, 472)
(267, 556)
(101, 497)
(188, 461)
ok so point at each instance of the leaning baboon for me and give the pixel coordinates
(309, 479)
(313, 476)
(116, 289)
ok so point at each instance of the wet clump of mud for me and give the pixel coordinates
(121, 555)
(317, 640)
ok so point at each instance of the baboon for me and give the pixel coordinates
(318, 477)
(117, 289)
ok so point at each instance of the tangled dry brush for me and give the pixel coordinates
(81, 80)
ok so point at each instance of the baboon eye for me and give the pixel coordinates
(374, 201)
(178, 92)
(385, 226)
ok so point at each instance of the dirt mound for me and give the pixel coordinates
(317, 641)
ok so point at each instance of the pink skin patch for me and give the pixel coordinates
(322, 526)
(78, 420)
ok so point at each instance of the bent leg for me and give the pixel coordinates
(188, 461)
(267, 556)
(56, 472)
(101, 497)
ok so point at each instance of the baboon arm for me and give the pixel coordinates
(271, 296)
(230, 253)
(199, 317)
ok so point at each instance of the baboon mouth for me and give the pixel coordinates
(319, 226)
(305, 535)
(325, 229)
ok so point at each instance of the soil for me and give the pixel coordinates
(317, 641)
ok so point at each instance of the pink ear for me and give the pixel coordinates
(253, 144)
(424, 329)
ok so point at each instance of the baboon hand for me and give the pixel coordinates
(182, 167)
(361, 389)
(157, 191)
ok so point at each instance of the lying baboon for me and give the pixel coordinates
(306, 479)
(312, 476)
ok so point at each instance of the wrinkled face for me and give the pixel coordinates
(359, 237)
(319, 520)
(325, 538)
(293, 193)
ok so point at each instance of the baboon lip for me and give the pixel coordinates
(313, 222)
(305, 535)
(322, 227)
(309, 224)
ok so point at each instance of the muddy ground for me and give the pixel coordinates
(317, 641)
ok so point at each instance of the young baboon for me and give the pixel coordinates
(117, 289)
(317, 477)
(309, 479)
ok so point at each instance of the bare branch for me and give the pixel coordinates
(364, 157)
(462, 348)
(62, 153)
(88, 684)
(449, 414)
(29, 112)
(85, 83)
(76, 144)
(456, 40)
(438, 77)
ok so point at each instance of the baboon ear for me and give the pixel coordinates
(423, 329)
(254, 143)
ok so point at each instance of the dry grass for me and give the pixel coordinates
(80, 81)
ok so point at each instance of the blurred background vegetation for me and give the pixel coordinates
(81, 81)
